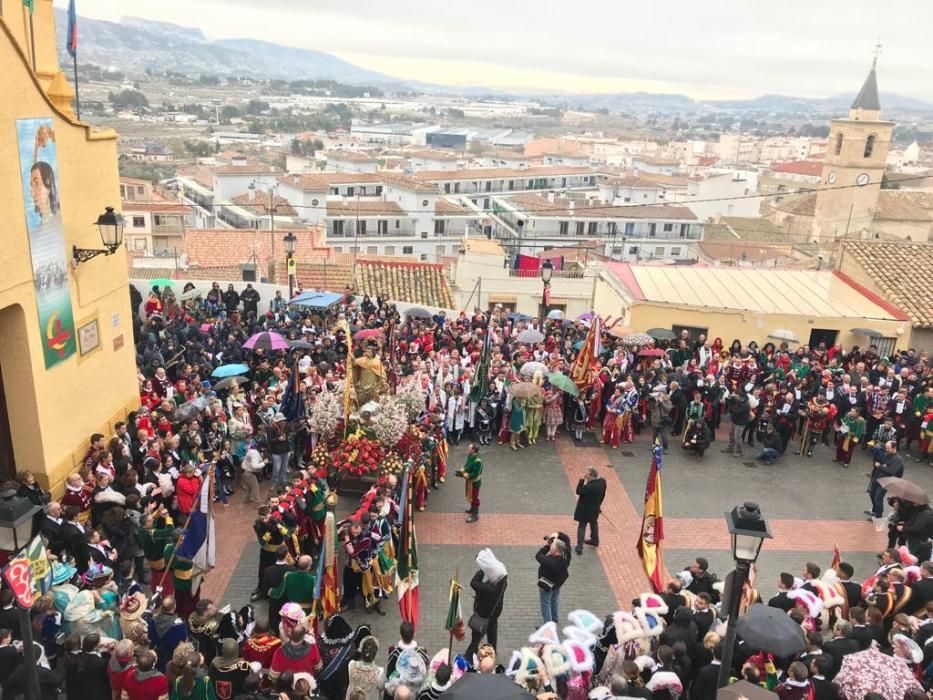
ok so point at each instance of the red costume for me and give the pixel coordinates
(145, 685)
(261, 649)
(187, 489)
(297, 658)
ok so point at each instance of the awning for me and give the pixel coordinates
(502, 299)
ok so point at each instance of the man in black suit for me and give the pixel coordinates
(814, 642)
(823, 689)
(271, 578)
(840, 645)
(922, 590)
(781, 601)
(703, 579)
(707, 681)
(50, 527)
(703, 614)
(861, 632)
(95, 683)
(9, 617)
(591, 490)
(72, 534)
(853, 591)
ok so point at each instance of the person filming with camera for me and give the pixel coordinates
(553, 571)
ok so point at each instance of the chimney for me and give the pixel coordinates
(251, 192)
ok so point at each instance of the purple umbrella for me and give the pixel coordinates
(588, 316)
(267, 341)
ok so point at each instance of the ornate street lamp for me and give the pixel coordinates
(16, 517)
(749, 531)
(290, 242)
(110, 225)
(547, 271)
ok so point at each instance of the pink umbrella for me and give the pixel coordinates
(368, 334)
(267, 341)
(652, 352)
(871, 671)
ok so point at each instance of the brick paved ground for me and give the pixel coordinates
(811, 504)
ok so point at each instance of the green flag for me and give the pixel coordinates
(30, 4)
(481, 378)
(454, 623)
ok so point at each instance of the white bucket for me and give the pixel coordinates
(881, 524)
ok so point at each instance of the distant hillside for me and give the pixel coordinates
(134, 44)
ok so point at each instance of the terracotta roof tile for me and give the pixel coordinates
(250, 169)
(894, 205)
(349, 156)
(412, 282)
(813, 168)
(804, 205)
(904, 273)
(222, 247)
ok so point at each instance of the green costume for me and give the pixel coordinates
(182, 569)
(533, 417)
(296, 587)
(517, 417)
(153, 541)
(695, 410)
(203, 690)
(856, 427)
(473, 469)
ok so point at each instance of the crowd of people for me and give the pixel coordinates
(124, 617)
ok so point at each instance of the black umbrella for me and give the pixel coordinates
(230, 382)
(301, 344)
(418, 312)
(486, 686)
(770, 629)
(661, 333)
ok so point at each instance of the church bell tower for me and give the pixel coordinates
(853, 167)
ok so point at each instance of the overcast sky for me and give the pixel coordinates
(705, 48)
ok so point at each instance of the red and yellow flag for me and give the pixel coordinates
(652, 526)
(580, 370)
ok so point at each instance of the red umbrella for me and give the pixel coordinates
(368, 334)
(652, 352)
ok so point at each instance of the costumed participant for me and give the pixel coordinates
(580, 415)
(594, 400)
(166, 631)
(484, 418)
(472, 474)
(926, 437)
(227, 671)
(553, 410)
(360, 551)
(611, 425)
(336, 648)
(299, 655)
(534, 405)
(627, 415)
(145, 682)
(820, 415)
(516, 423)
(99, 580)
(155, 531)
(851, 433)
(271, 534)
(260, 647)
(505, 401)
(182, 572)
(696, 437)
(204, 627)
(297, 586)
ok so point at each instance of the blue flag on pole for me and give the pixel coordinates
(72, 43)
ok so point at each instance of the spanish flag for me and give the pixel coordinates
(652, 525)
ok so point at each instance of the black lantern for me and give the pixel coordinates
(16, 515)
(749, 531)
(547, 271)
(290, 242)
(110, 224)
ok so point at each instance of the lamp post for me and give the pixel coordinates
(749, 531)
(110, 225)
(16, 516)
(547, 271)
(290, 240)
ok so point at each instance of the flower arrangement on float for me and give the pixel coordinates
(357, 455)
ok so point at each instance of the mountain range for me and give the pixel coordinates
(134, 45)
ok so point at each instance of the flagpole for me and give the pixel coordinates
(74, 61)
(450, 641)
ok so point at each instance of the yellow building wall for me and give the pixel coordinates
(53, 412)
(747, 326)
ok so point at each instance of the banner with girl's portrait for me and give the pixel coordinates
(38, 159)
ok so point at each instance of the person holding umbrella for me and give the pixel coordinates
(891, 464)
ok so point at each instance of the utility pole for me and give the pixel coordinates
(356, 238)
(272, 194)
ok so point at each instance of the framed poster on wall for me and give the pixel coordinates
(88, 337)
